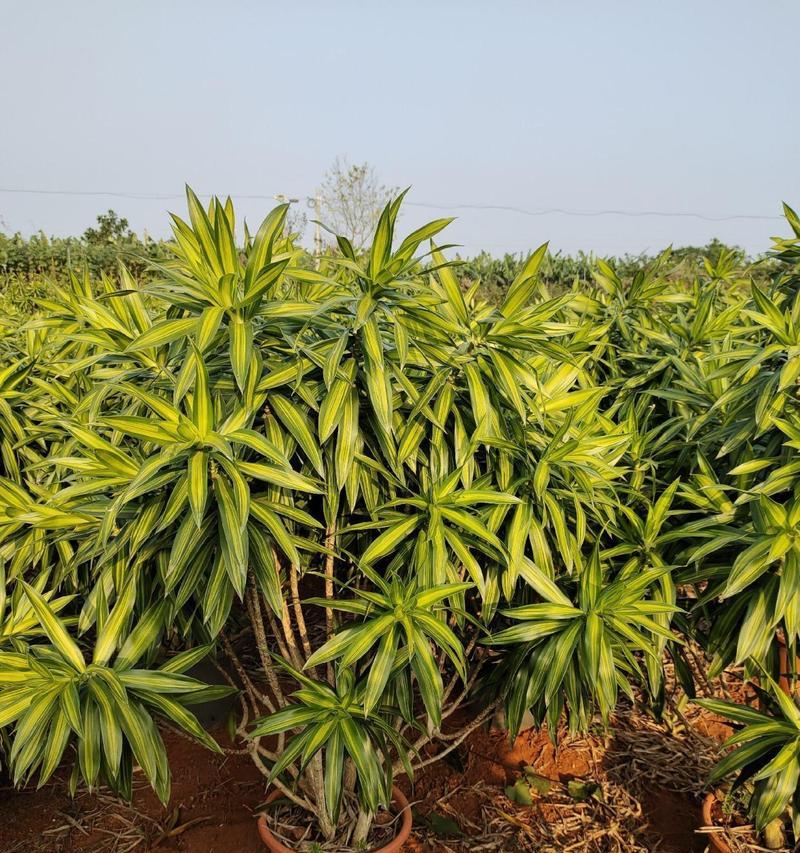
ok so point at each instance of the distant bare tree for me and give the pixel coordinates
(296, 221)
(351, 200)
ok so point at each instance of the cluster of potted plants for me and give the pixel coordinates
(409, 502)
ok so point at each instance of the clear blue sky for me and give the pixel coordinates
(687, 105)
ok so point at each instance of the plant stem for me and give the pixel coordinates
(457, 737)
(330, 540)
(363, 826)
(257, 621)
(287, 792)
(255, 696)
(286, 624)
(294, 575)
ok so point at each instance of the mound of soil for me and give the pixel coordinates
(469, 791)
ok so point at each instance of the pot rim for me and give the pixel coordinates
(714, 838)
(394, 846)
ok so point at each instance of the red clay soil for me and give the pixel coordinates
(211, 810)
(213, 799)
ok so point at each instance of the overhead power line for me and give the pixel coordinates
(565, 212)
(547, 211)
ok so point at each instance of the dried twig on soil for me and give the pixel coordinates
(646, 754)
(611, 822)
(743, 839)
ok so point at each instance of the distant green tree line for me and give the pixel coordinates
(97, 250)
(560, 271)
(24, 262)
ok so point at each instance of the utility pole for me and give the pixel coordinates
(316, 203)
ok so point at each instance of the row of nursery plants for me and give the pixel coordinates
(410, 506)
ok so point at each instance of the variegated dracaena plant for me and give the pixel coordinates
(408, 500)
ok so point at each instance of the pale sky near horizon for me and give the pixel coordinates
(685, 106)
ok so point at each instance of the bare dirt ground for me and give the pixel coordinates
(635, 788)
(645, 779)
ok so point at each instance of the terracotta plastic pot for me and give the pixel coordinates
(394, 846)
(716, 841)
(784, 681)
